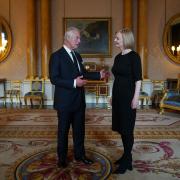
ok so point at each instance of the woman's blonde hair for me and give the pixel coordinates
(128, 38)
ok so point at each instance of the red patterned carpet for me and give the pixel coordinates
(28, 146)
(43, 123)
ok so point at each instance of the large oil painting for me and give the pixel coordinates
(95, 35)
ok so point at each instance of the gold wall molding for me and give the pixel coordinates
(142, 35)
(127, 14)
(45, 38)
(31, 40)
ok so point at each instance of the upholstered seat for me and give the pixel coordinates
(171, 99)
(36, 93)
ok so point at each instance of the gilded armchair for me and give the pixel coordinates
(171, 99)
(36, 93)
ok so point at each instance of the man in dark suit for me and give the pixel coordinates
(69, 77)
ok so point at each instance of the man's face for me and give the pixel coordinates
(74, 40)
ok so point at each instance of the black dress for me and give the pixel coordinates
(126, 70)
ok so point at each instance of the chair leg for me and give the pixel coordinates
(31, 101)
(20, 100)
(42, 102)
(4, 101)
(25, 101)
(161, 111)
(17, 99)
(11, 99)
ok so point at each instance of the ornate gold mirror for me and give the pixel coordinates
(5, 39)
(171, 38)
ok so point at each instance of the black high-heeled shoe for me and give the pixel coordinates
(122, 169)
(120, 160)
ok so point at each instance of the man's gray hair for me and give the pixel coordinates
(70, 32)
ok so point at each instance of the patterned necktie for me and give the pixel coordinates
(75, 61)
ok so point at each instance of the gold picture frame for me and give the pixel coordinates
(6, 36)
(171, 38)
(96, 35)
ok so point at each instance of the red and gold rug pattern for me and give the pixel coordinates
(28, 146)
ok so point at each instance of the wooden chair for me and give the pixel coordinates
(158, 92)
(14, 92)
(36, 93)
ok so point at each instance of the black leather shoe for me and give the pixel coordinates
(124, 159)
(85, 160)
(62, 164)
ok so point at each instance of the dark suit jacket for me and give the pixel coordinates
(62, 74)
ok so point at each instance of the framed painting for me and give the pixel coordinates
(96, 35)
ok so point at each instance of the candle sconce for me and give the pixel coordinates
(171, 38)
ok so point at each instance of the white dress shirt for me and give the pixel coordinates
(69, 52)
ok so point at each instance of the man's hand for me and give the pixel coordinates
(80, 82)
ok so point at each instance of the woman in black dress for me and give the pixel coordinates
(126, 87)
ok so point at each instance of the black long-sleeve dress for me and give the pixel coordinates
(127, 70)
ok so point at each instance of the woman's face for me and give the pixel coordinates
(118, 40)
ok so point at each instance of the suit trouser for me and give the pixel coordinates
(65, 119)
